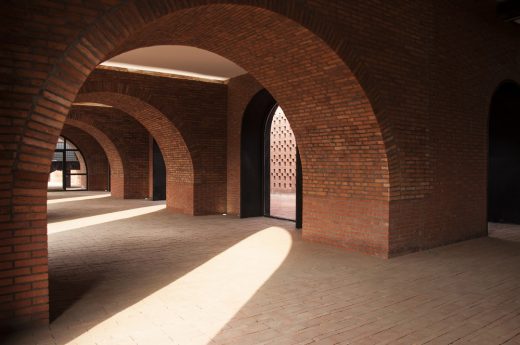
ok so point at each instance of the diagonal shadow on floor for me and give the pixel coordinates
(319, 294)
(101, 270)
(465, 292)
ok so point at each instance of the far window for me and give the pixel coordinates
(68, 169)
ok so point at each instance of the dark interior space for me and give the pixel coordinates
(256, 157)
(159, 174)
(252, 152)
(504, 155)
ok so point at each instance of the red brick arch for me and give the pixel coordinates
(332, 117)
(344, 135)
(345, 165)
(179, 166)
(94, 155)
(343, 149)
(117, 171)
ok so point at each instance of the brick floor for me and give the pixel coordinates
(161, 278)
(283, 205)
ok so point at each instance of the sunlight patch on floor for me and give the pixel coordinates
(77, 223)
(77, 198)
(194, 308)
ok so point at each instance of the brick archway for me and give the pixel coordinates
(332, 117)
(180, 191)
(117, 171)
(94, 155)
(343, 135)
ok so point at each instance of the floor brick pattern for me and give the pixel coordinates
(109, 283)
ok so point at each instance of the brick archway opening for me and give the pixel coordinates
(282, 169)
(180, 191)
(504, 155)
(267, 162)
(343, 152)
(342, 147)
(96, 159)
(70, 167)
(117, 169)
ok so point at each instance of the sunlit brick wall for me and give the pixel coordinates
(282, 155)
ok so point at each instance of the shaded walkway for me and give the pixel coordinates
(161, 278)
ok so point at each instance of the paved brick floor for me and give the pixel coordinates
(283, 205)
(152, 277)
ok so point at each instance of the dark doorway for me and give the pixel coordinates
(258, 164)
(280, 167)
(159, 174)
(504, 155)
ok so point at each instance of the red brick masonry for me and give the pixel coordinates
(388, 102)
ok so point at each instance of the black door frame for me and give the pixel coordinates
(255, 160)
(159, 173)
(503, 186)
(65, 178)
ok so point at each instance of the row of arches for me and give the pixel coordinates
(360, 181)
(360, 169)
(255, 195)
(81, 163)
(257, 124)
(503, 192)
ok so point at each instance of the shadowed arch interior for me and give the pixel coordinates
(330, 114)
(389, 104)
(96, 159)
(251, 154)
(254, 168)
(178, 161)
(117, 175)
(340, 137)
(504, 155)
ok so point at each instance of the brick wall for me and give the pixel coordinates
(388, 102)
(282, 155)
(361, 176)
(470, 54)
(117, 175)
(130, 141)
(96, 160)
(187, 118)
